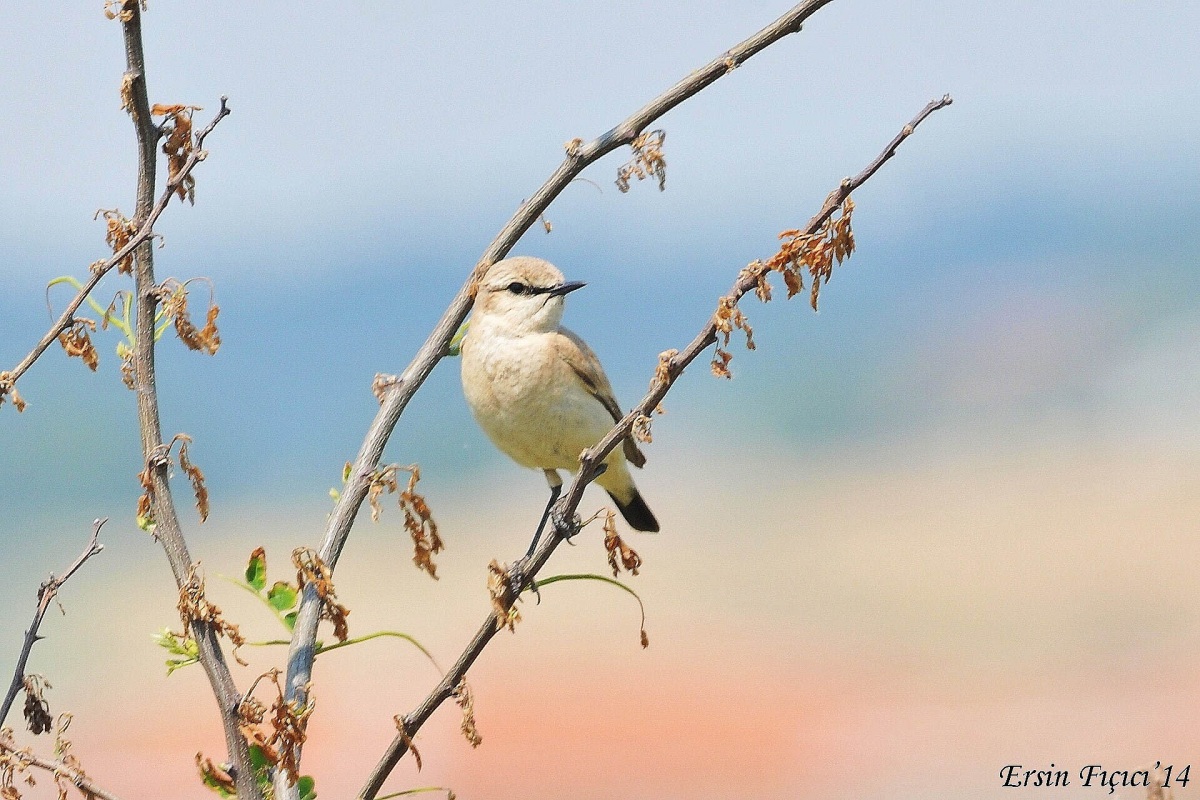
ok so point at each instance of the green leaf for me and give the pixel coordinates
(256, 570)
(282, 596)
(307, 787)
(182, 646)
(289, 619)
(258, 758)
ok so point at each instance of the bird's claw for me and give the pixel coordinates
(518, 582)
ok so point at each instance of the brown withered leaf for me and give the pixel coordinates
(418, 519)
(311, 569)
(720, 364)
(8, 388)
(127, 373)
(620, 555)
(466, 701)
(641, 429)
(814, 253)
(37, 711)
(408, 742)
(119, 231)
(647, 161)
(194, 608)
(178, 145)
(78, 344)
(209, 334)
(194, 475)
(174, 298)
(503, 610)
(662, 372)
(281, 737)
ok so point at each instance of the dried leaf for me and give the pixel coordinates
(418, 519)
(178, 145)
(8, 388)
(278, 746)
(78, 344)
(641, 429)
(119, 231)
(195, 609)
(647, 161)
(620, 555)
(174, 298)
(466, 701)
(194, 475)
(503, 609)
(408, 742)
(37, 710)
(311, 569)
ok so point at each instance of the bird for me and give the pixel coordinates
(537, 390)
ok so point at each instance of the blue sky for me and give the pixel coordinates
(1023, 301)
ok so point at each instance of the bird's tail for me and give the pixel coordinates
(636, 512)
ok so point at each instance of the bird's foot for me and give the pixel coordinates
(519, 580)
(566, 529)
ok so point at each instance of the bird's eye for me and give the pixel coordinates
(516, 287)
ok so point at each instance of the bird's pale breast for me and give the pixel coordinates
(528, 400)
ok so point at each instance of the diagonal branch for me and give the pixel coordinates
(46, 593)
(400, 390)
(590, 466)
(144, 233)
(167, 527)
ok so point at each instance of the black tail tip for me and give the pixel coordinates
(637, 513)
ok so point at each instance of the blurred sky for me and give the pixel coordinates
(944, 525)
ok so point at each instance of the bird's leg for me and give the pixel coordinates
(555, 490)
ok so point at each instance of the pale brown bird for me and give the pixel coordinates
(537, 390)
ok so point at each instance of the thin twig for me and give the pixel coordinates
(46, 593)
(75, 775)
(589, 468)
(167, 527)
(144, 233)
(398, 392)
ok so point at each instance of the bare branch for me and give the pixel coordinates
(46, 593)
(146, 292)
(397, 393)
(590, 467)
(144, 233)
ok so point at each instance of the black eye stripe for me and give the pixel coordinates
(516, 287)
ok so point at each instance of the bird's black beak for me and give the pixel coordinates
(567, 288)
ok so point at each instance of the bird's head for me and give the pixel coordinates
(522, 295)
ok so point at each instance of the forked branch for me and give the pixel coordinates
(98, 270)
(398, 392)
(167, 528)
(564, 510)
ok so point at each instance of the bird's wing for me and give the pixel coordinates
(586, 366)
